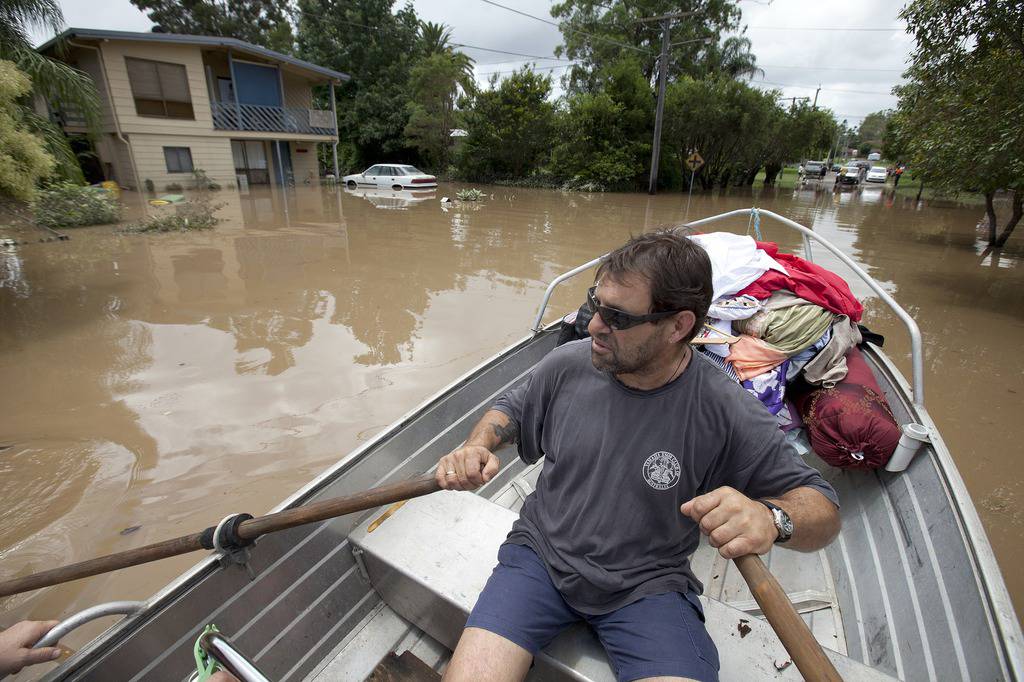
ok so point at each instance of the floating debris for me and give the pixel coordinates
(743, 628)
(782, 665)
(129, 530)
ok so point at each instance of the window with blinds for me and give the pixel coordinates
(160, 89)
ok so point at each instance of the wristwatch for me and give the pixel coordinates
(783, 523)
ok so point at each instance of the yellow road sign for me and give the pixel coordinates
(694, 161)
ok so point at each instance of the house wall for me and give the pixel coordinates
(304, 164)
(88, 61)
(210, 148)
(211, 154)
(189, 56)
(115, 160)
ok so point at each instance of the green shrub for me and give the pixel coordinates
(201, 181)
(469, 195)
(70, 205)
(173, 187)
(195, 214)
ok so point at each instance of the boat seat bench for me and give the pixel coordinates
(430, 559)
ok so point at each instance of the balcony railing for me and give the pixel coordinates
(230, 116)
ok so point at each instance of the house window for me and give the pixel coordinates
(159, 89)
(179, 159)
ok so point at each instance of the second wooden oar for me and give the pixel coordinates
(247, 530)
(793, 632)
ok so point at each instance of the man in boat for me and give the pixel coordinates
(646, 445)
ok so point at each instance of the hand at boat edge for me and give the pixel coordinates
(16, 642)
(466, 468)
(735, 524)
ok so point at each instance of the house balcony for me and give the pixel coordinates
(269, 119)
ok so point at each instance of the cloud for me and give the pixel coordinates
(855, 69)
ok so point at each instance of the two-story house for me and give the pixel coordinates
(174, 103)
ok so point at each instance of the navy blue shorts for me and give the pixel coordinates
(662, 634)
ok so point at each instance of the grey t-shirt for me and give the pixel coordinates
(619, 462)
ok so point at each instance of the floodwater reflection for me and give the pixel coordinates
(392, 198)
(163, 381)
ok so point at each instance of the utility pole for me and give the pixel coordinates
(815, 105)
(656, 147)
(835, 148)
(662, 74)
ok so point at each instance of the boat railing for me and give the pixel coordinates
(916, 345)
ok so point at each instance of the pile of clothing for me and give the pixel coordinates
(775, 316)
(778, 320)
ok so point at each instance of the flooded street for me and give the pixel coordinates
(153, 384)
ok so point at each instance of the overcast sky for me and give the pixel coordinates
(855, 68)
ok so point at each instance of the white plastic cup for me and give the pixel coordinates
(910, 442)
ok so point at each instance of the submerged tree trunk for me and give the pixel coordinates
(990, 211)
(919, 190)
(1015, 215)
(771, 171)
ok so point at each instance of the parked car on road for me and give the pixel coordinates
(877, 174)
(815, 169)
(849, 175)
(394, 176)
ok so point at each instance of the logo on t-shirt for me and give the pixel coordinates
(661, 470)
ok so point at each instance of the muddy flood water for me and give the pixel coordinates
(152, 384)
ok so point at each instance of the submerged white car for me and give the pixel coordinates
(877, 174)
(392, 176)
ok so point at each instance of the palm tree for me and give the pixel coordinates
(53, 80)
(435, 38)
(732, 58)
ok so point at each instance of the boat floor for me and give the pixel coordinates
(806, 578)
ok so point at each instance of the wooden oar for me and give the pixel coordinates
(805, 651)
(247, 530)
(807, 654)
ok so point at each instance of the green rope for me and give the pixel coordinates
(205, 666)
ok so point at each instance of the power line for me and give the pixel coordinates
(574, 30)
(814, 87)
(827, 28)
(518, 54)
(539, 68)
(826, 68)
(505, 61)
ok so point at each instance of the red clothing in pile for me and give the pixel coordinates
(810, 282)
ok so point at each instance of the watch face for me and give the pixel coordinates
(784, 524)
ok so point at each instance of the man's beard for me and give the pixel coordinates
(625, 361)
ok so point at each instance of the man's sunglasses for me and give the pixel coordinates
(619, 320)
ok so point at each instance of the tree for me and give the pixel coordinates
(732, 57)
(23, 158)
(726, 120)
(435, 38)
(603, 138)
(599, 33)
(960, 118)
(800, 133)
(508, 128)
(435, 83)
(54, 81)
(872, 129)
(376, 46)
(261, 22)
